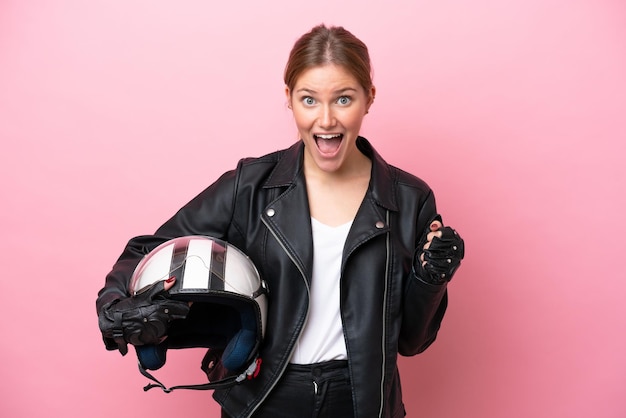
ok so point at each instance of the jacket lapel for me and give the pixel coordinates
(372, 217)
(288, 216)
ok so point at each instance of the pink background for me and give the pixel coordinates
(115, 113)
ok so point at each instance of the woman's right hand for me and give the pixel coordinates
(142, 319)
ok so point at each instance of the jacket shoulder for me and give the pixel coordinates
(258, 169)
(406, 179)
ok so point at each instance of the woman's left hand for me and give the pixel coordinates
(440, 256)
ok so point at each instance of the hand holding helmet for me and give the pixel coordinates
(439, 254)
(141, 319)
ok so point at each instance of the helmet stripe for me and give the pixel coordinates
(196, 270)
(177, 264)
(218, 267)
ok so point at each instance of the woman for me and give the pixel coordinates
(355, 256)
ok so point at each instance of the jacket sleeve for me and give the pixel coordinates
(209, 213)
(424, 303)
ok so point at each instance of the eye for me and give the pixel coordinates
(308, 101)
(344, 100)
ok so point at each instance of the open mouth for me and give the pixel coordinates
(328, 143)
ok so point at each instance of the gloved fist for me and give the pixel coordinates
(141, 319)
(439, 254)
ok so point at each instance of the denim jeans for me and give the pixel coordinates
(320, 390)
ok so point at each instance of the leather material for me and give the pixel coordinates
(261, 207)
(141, 320)
(443, 256)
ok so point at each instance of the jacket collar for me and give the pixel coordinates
(382, 182)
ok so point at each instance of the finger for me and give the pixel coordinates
(431, 235)
(169, 283)
(435, 226)
(427, 245)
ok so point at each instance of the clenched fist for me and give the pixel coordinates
(439, 254)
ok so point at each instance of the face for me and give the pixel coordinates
(328, 106)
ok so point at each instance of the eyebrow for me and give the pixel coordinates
(340, 91)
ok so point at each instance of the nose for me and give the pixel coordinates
(326, 117)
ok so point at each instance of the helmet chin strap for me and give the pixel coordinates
(251, 372)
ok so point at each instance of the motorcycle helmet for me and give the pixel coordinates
(228, 308)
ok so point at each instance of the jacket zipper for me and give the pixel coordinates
(308, 290)
(384, 362)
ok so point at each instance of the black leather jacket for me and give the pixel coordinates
(262, 208)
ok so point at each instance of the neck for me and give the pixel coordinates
(358, 167)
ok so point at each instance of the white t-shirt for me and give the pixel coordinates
(322, 337)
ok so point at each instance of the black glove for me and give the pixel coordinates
(141, 319)
(443, 256)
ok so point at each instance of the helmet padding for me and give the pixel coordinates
(231, 329)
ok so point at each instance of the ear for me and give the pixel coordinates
(371, 96)
(288, 96)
